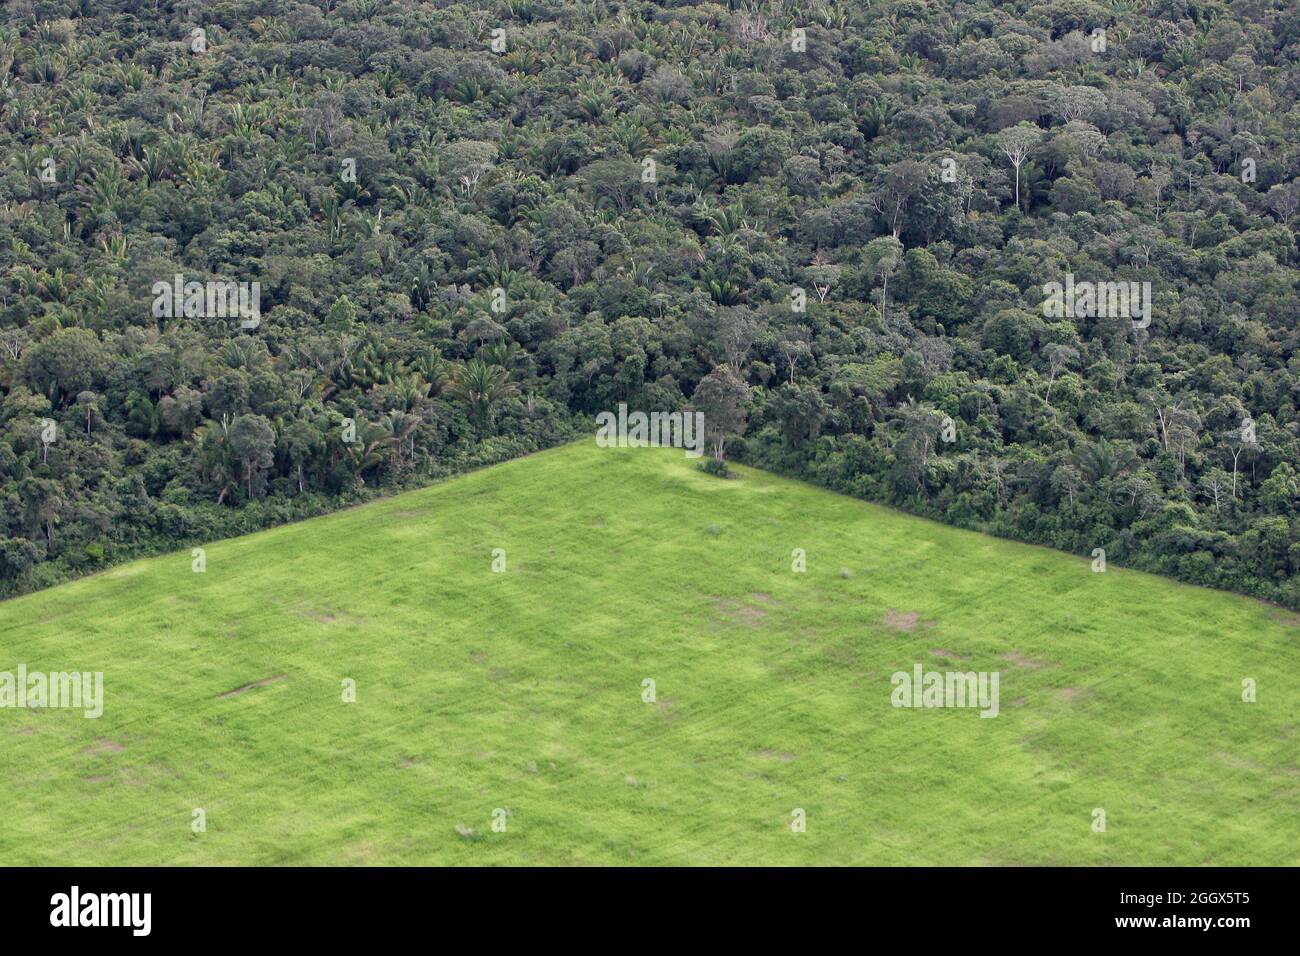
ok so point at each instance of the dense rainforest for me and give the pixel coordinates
(467, 229)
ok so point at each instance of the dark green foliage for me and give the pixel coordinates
(464, 253)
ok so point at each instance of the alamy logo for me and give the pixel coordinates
(83, 690)
(1094, 300)
(660, 429)
(946, 689)
(211, 299)
(103, 909)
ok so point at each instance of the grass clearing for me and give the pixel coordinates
(523, 690)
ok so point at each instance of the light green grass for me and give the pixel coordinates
(523, 690)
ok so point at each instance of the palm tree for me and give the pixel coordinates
(1100, 459)
(482, 386)
(433, 367)
(410, 390)
(505, 353)
(215, 456)
(398, 429)
(373, 447)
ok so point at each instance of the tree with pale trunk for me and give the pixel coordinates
(882, 257)
(1016, 143)
(722, 398)
(1058, 357)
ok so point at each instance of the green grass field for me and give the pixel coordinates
(523, 690)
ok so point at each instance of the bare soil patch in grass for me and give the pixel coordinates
(902, 620)
(1020, 660)
(104, 746)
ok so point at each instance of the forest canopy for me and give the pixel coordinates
(1028, 268)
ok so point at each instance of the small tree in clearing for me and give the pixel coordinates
(721, 396)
